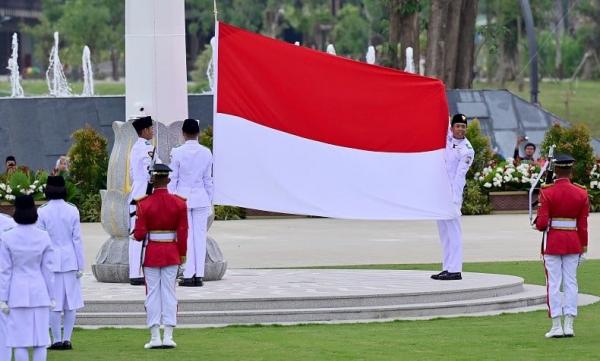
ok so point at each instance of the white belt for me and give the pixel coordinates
(564, 223)
(161, 236)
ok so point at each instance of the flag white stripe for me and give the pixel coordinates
(263, 168)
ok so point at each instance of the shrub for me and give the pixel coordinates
(475, 200)
(505, 176)
(575, 141)
(89, 160)
(481, 146)
(89, 207)
(22, 183)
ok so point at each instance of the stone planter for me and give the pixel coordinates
(9, 208)
(510, 201)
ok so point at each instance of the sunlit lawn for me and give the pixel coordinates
(504, 337)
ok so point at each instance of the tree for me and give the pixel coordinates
(403, 31)
(350, 33)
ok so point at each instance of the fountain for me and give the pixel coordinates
(410, 64)
(210, 69)
(55, 76)
(371, 55)
(88, 73)
(13, 66)
(331, 49)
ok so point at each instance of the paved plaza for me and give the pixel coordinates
(297, 242)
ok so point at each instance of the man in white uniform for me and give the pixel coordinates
(192, 179)
(140, 158)
(459, 157)
(6, 223)
(61, 220)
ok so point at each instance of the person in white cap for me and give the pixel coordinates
(26, 282)
(191, 163)
(459, 156)
(61, 220)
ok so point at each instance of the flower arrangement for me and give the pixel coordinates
(22, 183)
(595, 177)
(505, 176)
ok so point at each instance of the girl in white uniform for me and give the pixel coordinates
(61, 220)
(26, 281)
(6, 223)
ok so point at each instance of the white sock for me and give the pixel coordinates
(21, 354)
(39, 353)
(55, 326)
(69, 324)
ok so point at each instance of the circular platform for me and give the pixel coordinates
(299, 296)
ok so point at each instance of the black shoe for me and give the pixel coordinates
(137, 281)
(198, 282)
(67, 345)
(450, 276)
(187, 282)
(437, 276)
(56, 346)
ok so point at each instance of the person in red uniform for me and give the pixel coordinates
(562, 214)
(162, 222)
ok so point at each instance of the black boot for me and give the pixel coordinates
(450, 276)
(437, 276)
(56, 346)
(67, 345)
(137, 281)
(198, 281)
(187, 282)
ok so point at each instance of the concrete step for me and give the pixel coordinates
(530, 296)
(512, 286)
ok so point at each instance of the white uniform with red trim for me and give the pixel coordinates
(6, 223)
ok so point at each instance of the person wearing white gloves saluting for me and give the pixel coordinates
(26, 281)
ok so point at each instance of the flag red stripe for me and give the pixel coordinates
(327, 98)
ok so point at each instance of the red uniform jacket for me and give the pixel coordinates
(564, 200)
(162, 211)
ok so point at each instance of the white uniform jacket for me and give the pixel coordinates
(459, 157)
(191, 178)
(61, 220)
(140, 159)
(26, 277)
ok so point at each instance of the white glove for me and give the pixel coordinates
(582, 259)
(52, 304)
(79, 274)
(4, 307)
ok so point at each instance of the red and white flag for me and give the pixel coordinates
(305, 132)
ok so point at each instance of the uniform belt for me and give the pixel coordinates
(567, 224)
(161, 236)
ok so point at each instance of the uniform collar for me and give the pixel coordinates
(191, 141)
(562, 180)
(161, 190)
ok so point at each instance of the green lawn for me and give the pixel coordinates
(504, 337)
(584, 103)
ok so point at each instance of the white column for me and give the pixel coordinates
(155, 66)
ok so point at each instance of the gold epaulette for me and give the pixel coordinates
(547, 185)
(180, 197)
(580, 186)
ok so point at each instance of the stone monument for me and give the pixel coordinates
(156, 84)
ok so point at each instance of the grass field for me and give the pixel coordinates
(584, 100)
(504, 337)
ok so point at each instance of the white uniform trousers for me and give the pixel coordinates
(451, 238)
(196, 244)
(5, 351)
(135, 250)
(161, 303)
(561, 269)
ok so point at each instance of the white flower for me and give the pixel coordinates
(32, 187)
(594, 184)
(10, 197)
(497, 184)
(481, 179)
(2, 186)
(487, 185)
(8, 189)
